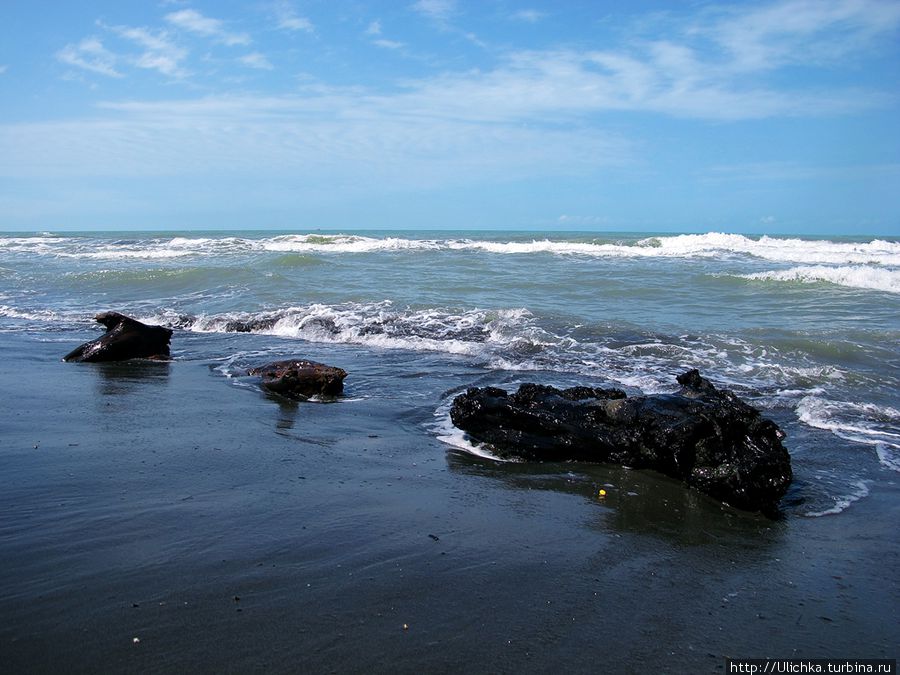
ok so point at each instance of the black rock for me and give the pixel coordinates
(125, 338)
(251, 325)
(708, 438)
(300, 379)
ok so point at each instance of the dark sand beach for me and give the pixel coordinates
(162, 517)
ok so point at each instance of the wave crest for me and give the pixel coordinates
(865, 277)
(709, 245)
(864, 423)
(472, 332)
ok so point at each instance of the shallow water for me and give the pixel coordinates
(807, 329)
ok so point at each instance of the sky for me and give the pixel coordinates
(757, 117)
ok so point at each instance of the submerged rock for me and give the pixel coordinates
(300, 379)
(708, 438)
(188, 321)
(125, 338)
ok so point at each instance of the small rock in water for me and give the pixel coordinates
(300, 379)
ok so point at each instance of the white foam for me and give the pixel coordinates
(446, 432)
(471, 333)
(888, 455)
(512, 339)
(867, 277)
(126, 254)
(341, 243)
(9, 312)
(843, 502)
(864, 423)
(809, 251)
(709, 245)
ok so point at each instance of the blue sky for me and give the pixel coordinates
(776, 116)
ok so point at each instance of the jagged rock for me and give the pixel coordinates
(250, 325)
(300, 379)
(229, 325)
(125, 338)
(708, 438)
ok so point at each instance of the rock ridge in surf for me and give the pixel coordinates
(706, 437)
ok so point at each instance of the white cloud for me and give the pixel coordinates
(534, 113)
(374, 30)
(256, 60)
(90, 54)
(388, 44)
(568, 84)
(327, 137)
(529, 15)
(193, 21)
(717, 67)
(805, 32)
(161, 53)
(288, 19)
(438, 10)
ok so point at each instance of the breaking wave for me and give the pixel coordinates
(809, 251)
(471, 333)
(857, 490)
(709, 245)
(866, 423)
(866, 277)
(514, 339)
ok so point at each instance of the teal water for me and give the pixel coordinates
(807, 329)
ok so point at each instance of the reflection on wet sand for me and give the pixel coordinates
(632, 501)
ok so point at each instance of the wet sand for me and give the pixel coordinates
(162, 518)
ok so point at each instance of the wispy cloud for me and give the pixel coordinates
(374, 30)
(534, 113)
(715, 65)
(193, 21)
(388, 44)
(437, 10)
(773, 35)
(331, 136)
(288, 18)
(442, 13)
(91, 55)
(256, 60)
(160, 51)
(529, 15)
(3, 68)
(661, 78)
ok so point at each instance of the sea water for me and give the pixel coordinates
(806, 329)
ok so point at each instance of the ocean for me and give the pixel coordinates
(187, 464)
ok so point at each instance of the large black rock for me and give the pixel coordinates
(708, 438)
(125, 338)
